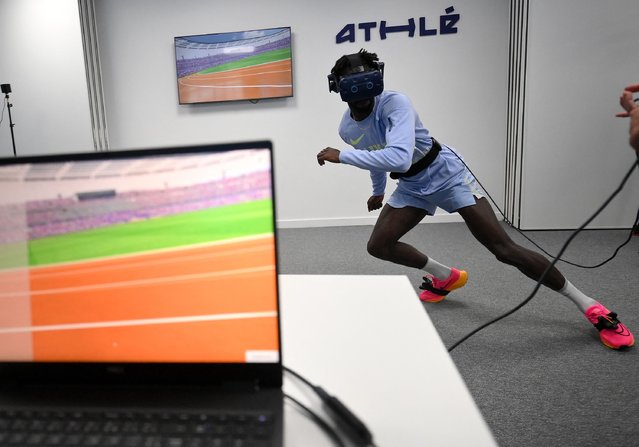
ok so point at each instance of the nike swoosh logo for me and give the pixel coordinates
(354, 142)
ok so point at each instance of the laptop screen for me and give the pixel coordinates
(144, 256)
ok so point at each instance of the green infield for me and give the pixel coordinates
(13, 255)
(196, 227)
(264, 58)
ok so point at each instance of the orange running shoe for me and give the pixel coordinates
(612, 332)
(435, 290)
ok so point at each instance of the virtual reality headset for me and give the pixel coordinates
(360, 85)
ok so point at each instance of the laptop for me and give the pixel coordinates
(139, 288)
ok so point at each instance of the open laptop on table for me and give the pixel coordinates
(139, 292)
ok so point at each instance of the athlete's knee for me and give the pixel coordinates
(378, 249)
(504, 251)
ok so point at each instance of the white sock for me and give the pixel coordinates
(436, 269)
(582, 301)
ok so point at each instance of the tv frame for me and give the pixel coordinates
(233, 63)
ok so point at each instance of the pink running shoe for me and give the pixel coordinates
(435, 290)
(611, 331)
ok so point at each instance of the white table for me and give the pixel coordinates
(368, 341)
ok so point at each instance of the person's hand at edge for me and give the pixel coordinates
(627, 101)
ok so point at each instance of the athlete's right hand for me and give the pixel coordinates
(375, 202)
(328, 154)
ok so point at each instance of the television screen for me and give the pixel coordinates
(234, 66)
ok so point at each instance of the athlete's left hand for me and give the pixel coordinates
(375, 202)
(328, 154)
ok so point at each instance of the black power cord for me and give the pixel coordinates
(614, 254)
(510, 224)
(554, 261)
(318, 420)
(4, 106)
(352, 426)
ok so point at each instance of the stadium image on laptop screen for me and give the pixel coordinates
(139, 256)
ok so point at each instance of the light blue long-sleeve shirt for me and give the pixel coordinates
(390, 139)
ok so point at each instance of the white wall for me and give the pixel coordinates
(41, 58)
(582, 52)
(581, 55)
(457, 83)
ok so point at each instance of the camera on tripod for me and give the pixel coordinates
(6, 89)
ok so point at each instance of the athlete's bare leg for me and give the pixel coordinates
(391, 225)
(483, 224)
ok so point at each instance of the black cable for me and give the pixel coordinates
(630, 235)
(552, 264)
(614, 254)
(353, 427)
(4, 106)
(318, 420)
(299, 376)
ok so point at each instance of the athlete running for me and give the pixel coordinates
(388, 136)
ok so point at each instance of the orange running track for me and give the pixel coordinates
(258, 81)
(206, 303)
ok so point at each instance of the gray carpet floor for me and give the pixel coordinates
(540, 376)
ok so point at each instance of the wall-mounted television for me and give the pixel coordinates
(234, 66)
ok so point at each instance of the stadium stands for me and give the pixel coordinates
(59, 216)
(206, 56)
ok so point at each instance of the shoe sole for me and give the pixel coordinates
(617, 348)
(461, 282)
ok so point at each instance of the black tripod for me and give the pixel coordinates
(6, 89)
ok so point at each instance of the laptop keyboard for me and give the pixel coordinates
(133, 429)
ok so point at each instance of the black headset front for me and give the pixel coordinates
(359, 85)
